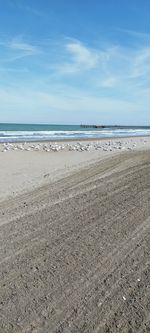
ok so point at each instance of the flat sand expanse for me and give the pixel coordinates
(74, 253)
(24, 170)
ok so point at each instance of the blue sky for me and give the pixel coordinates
(66, 61)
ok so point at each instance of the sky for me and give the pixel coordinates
(75, 61)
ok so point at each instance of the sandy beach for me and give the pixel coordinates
(74, 234)
(27, 166)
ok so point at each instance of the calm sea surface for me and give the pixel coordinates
(33, 132)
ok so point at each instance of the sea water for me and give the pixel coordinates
(36, 132)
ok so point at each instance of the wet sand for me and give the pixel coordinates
(75, 252)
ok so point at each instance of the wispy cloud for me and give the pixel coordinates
(136, 34)
(75, 78)
(16, 49)
(78, 58)
(17, 44)
(82, 55)
(76, 105)
(141, 65)
(108, 67)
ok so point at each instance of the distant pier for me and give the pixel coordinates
(92, 126)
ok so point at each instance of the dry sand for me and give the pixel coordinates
(23, 171)
(74, 252)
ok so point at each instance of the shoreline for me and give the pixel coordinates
(76, 139)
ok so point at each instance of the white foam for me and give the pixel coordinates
(8, 136)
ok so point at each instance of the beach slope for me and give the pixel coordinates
(74, 253)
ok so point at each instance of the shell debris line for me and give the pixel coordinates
(106, 146)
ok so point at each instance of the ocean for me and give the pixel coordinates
(35, 132)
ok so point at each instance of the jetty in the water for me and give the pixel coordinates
(99, 126)
(92, 126)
